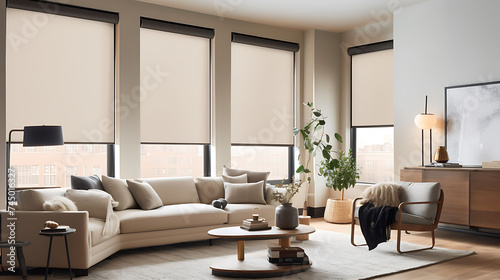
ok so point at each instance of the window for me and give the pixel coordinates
(175, 98)
(70, 170)
(63, 158)
(262, 139)
(372, 113)
(64, 65)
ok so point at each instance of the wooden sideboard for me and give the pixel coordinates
(471, 195)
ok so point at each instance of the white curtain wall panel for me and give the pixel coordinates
(175, 88)
(262, 95)
(373, 88)
(60, 71)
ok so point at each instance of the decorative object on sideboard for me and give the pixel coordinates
(426, 121)
(441, 155)
(491, 164)
(472, 123)
(43, 135)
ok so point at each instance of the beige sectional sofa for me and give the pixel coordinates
(186, 215)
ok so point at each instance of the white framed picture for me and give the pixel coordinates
(473, 123)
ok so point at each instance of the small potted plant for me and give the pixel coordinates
(287, 216)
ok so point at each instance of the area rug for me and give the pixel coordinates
(332, 255)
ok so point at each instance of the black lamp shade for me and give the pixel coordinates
(45, 135)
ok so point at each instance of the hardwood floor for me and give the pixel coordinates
(485, 264)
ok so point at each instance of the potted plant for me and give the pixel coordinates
(338, 168)
(286, 216)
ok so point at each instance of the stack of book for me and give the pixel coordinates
(287, 256)
(252, 224)
(57, 229)
(446, 164)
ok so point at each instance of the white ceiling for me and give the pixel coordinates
(328, 15)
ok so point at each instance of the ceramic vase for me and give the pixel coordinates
(287, 216)
(441, 155)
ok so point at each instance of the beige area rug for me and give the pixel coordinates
(332, 255)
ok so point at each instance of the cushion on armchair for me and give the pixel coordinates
(420, 192)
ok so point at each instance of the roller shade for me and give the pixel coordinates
(60, 71)
(178, 28)
(262, 95)
(373, 88)
(175, 88)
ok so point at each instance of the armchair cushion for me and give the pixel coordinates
(420, 192)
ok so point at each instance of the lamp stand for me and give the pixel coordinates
(423, 147)
(430, 146)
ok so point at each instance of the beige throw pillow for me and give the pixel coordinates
(118, 189)
(210, 188)
(96, 203)
(33, 200)
(243, 178)
(244, 193)
(144, 194)
(252, 176)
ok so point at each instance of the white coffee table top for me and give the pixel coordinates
(273, 233)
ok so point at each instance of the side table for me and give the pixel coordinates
(20, 256)
(51, 235)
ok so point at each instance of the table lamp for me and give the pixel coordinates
(426, 121)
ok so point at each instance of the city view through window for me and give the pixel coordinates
(375, 154)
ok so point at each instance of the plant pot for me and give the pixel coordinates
(287, 216)
(338, 211)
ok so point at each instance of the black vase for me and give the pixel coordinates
(287, 216)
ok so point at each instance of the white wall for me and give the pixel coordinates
(439, 43)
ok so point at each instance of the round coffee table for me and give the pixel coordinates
(256, 266)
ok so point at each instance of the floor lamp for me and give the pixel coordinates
(44, 135)
(426, 121)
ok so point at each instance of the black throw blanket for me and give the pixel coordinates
(374, 222)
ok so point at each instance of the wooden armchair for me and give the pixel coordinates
(419, 211)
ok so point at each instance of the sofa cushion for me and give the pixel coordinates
(239, 212)
(209, 188)
(118, 189)
(420, 192)
(86, 183)
(96, 203)
(32, 200)
(244, 193)
(171, 217)
(144, 194)
(243, 178)
(175, 190)
(96, 227)
(252, 176)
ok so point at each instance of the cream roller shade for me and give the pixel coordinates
(262, 87)
(175, 88)
(60, 71)
(373, 88)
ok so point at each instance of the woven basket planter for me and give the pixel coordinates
(338, 211)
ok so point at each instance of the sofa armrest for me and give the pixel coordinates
(27, 226)
(269, 194)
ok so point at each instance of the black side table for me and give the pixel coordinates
(51, 234)
(20, 256)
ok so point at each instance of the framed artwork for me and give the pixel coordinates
(473, 123)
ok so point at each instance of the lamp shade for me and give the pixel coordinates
(44, 135)
(425, 121)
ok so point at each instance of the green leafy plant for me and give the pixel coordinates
(291, 190)
(341, 171)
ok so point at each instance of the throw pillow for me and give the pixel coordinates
(209, 188)
(86, 183)
(59, 203)
(244, 193)
(114, 203)
(243, 178)
(96, 203)
(252, 176)
(382, 194)
(144, 194)
(118, 189)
